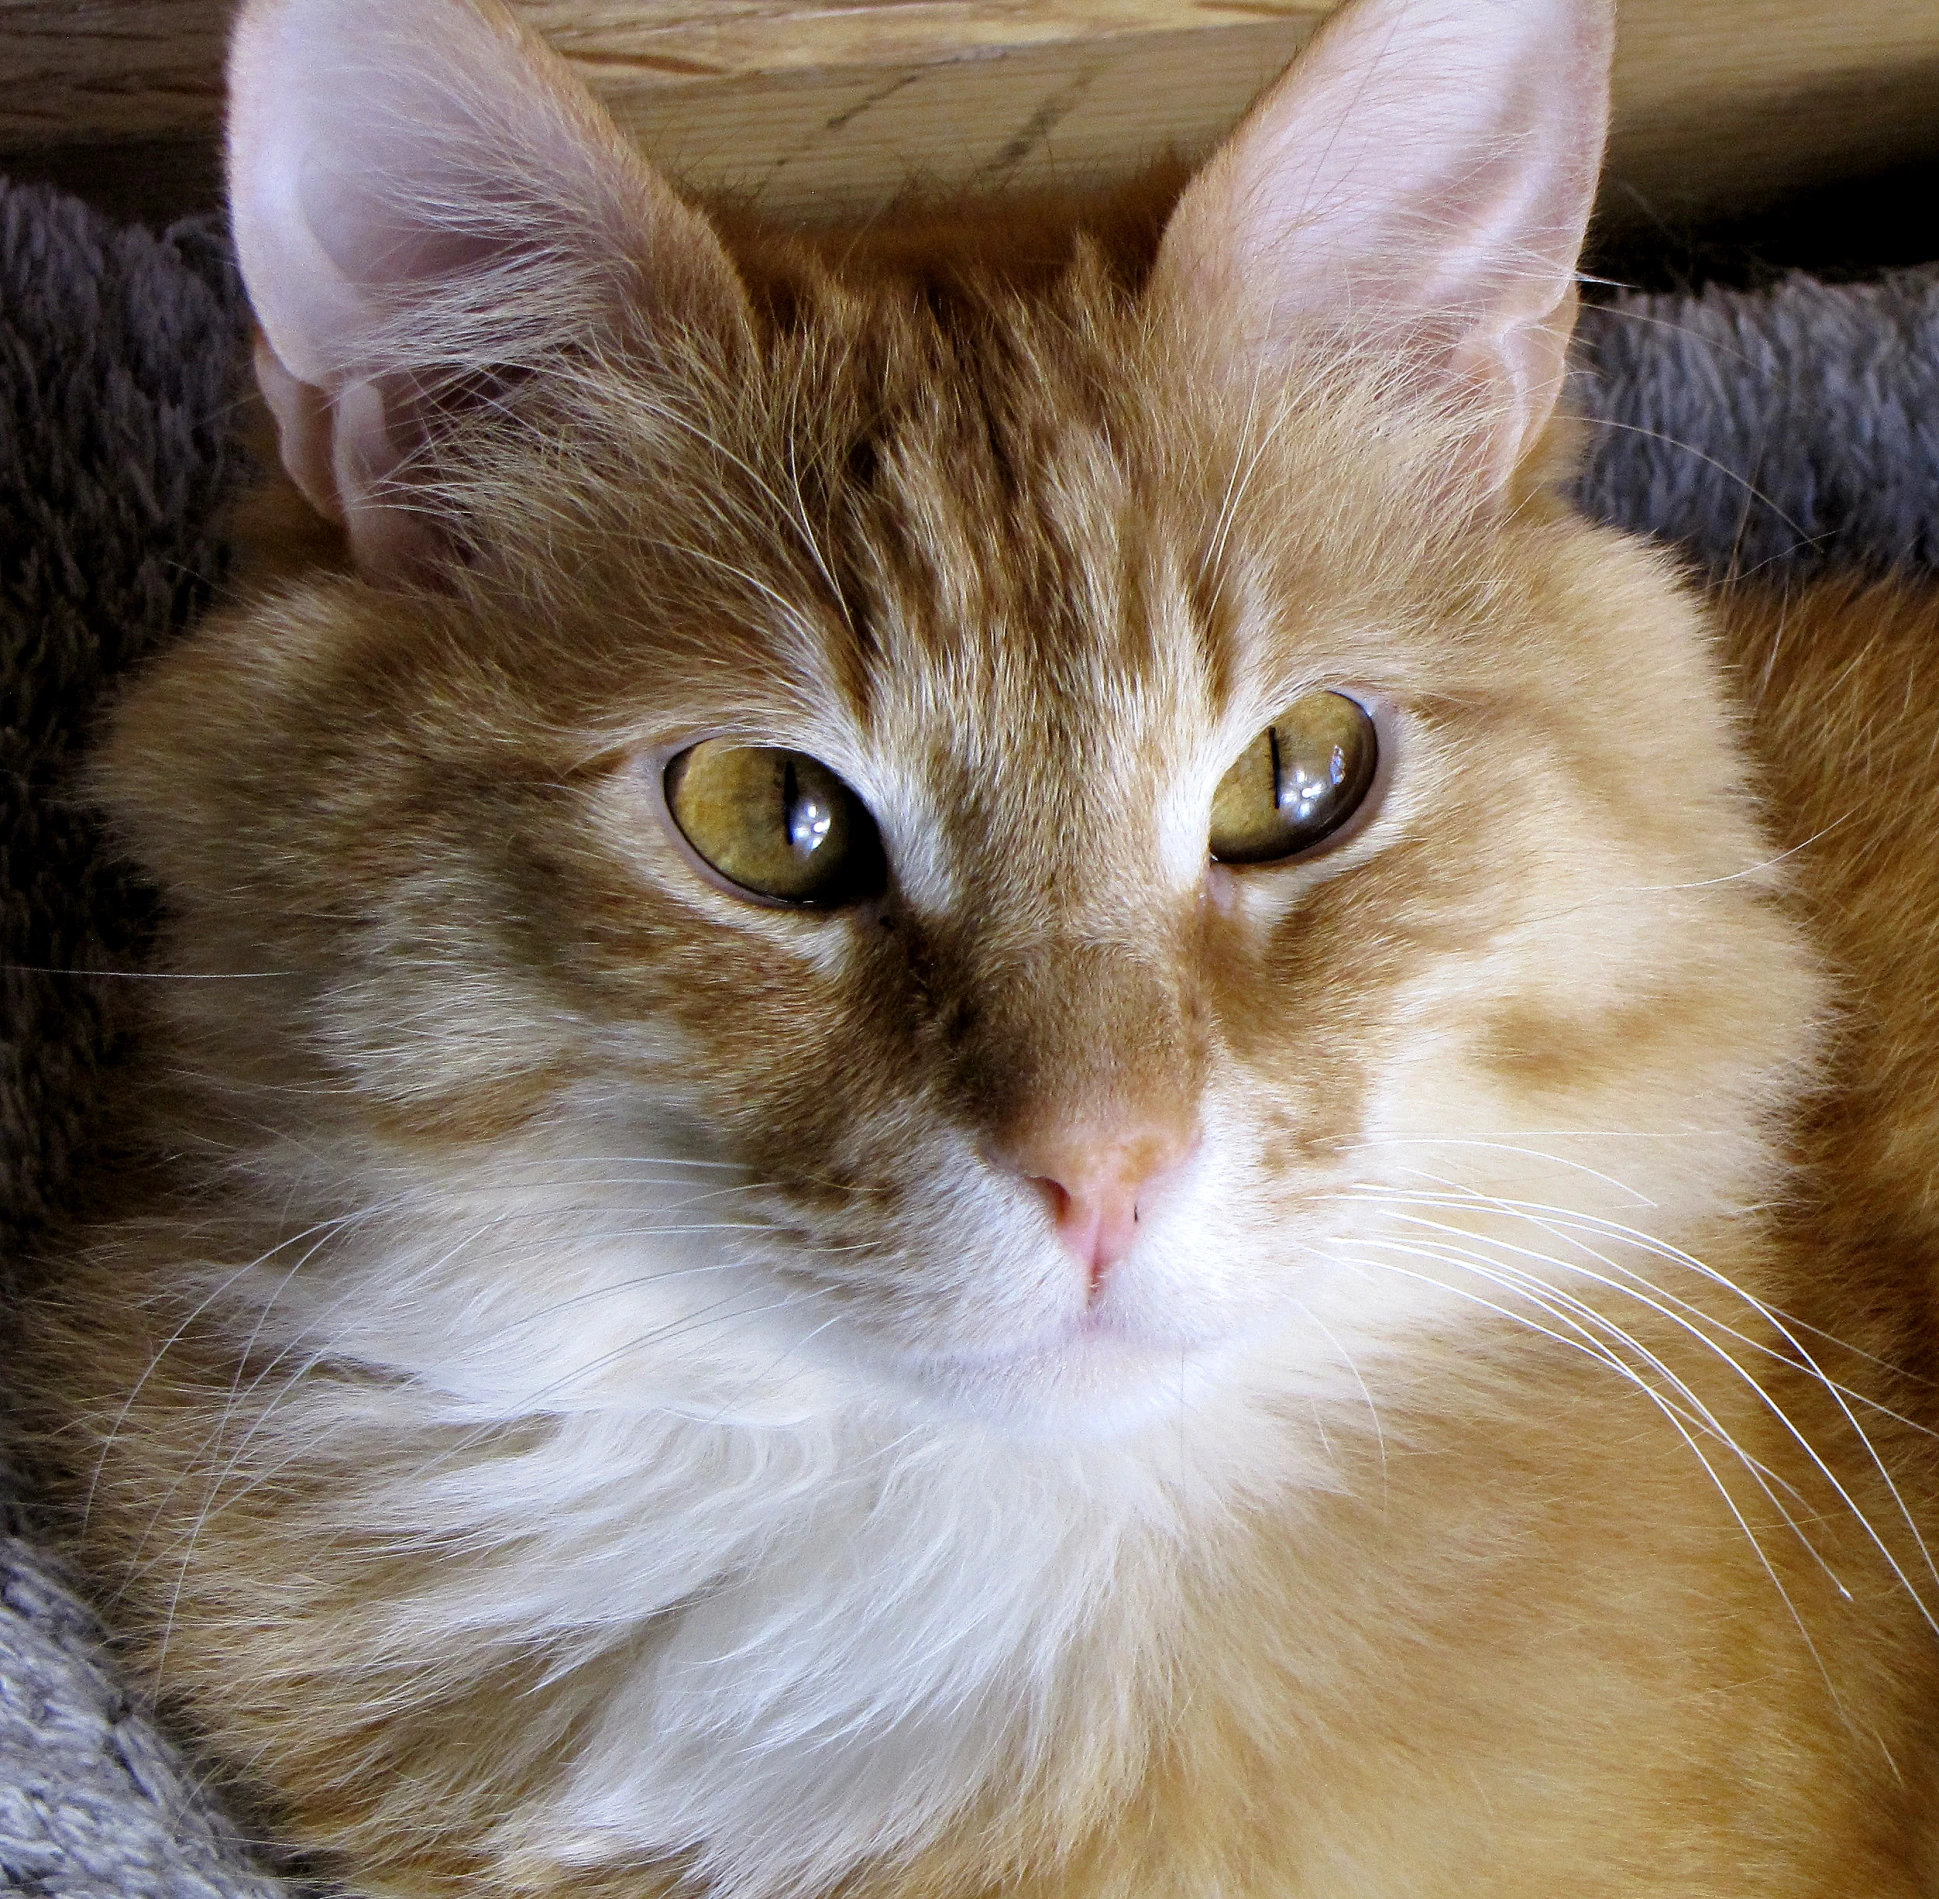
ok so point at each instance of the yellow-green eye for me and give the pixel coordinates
(1297, 782)
(777, 823)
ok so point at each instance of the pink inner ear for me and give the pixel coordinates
(1421, 180)
(303, 435)
(422, 191)
(379, 242)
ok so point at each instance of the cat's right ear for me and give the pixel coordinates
(426, 200)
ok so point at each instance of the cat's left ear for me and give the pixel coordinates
(426, 203)
(1419, 181)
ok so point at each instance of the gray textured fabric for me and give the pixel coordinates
(116, 362)
(1775, 433)
(1780, 432)
(117, 356)
(94, 1802)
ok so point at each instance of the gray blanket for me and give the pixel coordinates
(1776, 433)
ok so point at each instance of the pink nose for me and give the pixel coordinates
(1097, 1181)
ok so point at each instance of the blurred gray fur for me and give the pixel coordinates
(1771, 434)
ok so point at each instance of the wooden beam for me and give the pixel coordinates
(820, 140)
(819, 108)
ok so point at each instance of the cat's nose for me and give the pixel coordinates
(1098, 1182)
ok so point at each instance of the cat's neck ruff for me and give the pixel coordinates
(805, 1619)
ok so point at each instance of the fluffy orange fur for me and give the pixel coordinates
(1517, 1476)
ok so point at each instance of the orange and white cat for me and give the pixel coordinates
(998, 1084)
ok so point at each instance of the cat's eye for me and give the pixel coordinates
(1302, 778)
(775, 823)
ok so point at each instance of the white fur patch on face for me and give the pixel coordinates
(822, 1616)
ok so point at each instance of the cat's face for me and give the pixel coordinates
(1031, 618)
(1042, 1110)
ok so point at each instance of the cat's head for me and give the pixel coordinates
(1017, 833)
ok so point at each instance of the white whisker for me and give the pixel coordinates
(1599, 1352)
(1665, 1306)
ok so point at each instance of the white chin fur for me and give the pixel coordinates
(826, 1608)
(827, 1592)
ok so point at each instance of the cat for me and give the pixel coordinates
(982, 1077)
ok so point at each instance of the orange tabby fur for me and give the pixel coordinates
(1496, 1601)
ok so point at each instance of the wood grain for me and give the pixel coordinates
(819, 108)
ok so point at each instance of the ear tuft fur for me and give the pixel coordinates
(425, 200)
(1420, 179)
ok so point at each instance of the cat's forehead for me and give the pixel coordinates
(1005, 527)
(942, 544)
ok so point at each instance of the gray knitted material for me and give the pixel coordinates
(116, 364)
(94, 1801)
(118, 356)
(1773, 434)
